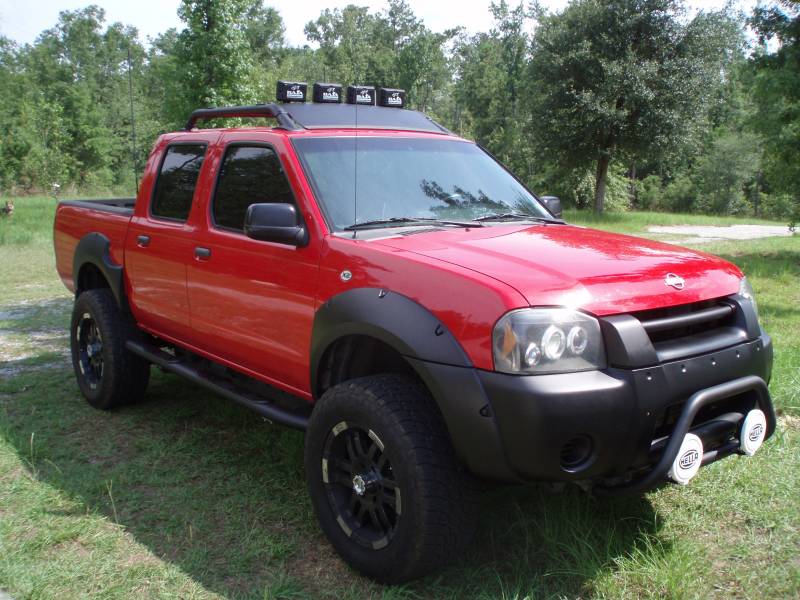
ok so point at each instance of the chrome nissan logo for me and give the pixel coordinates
(675, 281)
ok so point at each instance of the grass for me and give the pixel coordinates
(189, 496)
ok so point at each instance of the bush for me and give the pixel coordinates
(679, 195)
(649, 193)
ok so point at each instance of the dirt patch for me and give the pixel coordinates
(30, 338)
(704, 234)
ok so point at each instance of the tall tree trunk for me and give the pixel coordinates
(600, 183)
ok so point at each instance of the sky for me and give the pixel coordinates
(23, 20)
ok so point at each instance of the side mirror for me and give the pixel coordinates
(276, 222)
(553, 204)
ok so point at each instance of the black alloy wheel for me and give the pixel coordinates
(384, 480)
(108, 374)
(361, 487)
(90, 350)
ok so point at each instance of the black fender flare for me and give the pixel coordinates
(433, 353)
(95, 249)
(398, 321)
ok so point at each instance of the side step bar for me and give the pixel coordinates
(262, 407)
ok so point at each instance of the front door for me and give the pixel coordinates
(252, 302)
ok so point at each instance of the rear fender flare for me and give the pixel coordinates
(95, 249)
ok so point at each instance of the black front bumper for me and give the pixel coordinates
(525, 428)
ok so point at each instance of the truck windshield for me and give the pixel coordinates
(397, 180)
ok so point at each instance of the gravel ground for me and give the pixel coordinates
(703, 234)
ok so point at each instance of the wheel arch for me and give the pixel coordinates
(93, 267)
(394, 321)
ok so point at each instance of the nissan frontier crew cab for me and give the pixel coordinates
(362, 274)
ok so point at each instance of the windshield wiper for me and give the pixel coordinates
(512, 216)
(406, 221)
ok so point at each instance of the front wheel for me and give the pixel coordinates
(384, 480)
(108, 374)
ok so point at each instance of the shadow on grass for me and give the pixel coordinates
(209, 487)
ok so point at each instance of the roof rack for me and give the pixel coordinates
(270, 111)
(300, 116)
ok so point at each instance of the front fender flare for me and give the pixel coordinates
(392, 318)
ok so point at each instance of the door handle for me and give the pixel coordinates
(143, 241)
(202, 253)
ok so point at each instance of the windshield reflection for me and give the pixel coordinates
(371, 178)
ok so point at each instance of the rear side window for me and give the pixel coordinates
(177, 179)
(249, 175)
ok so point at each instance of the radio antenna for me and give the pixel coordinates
(133, 122)
(355, 175)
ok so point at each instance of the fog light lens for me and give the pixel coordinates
(532, 355)
(554, 342)
(577, 340)
(576, 452)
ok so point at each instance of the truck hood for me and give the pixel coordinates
(565, 265)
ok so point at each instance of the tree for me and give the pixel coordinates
(214, 55)
(392, 48)
(492, 68)
(621, 78)
(777, 94)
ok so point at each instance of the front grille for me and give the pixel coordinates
(690, 329)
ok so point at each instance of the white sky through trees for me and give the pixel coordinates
(22, 20)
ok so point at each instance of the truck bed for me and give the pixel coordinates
(77, 218)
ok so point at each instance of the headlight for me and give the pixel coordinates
(547, 340)
(746, 292)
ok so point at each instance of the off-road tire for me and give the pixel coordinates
(437, 498)
(123, 375)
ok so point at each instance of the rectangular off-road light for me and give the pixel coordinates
(330, 93)
(361, 94)
(392, 97)
(291, 91)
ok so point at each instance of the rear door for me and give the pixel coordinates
(252, 302)
(159, 243)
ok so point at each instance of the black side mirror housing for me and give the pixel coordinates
(553, 204)
(275, 222)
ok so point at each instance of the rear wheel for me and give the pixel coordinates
(384, 480)
(107, 373)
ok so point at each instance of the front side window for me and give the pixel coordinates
(374, 178)
(249, 175)
(172, 198)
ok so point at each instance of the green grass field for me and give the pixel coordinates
(189, 496)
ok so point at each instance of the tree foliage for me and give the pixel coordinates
(776, 85)
(620, 78)
(607, 103)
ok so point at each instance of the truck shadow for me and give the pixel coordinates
(211, 488)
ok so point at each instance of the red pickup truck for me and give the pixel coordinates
(361, 273)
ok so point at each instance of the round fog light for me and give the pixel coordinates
(753, 432)
(576, 452)
(688, 461)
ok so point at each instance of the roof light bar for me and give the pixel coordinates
(392, 97)
(291, 91)
(361, 94)
(328, 93)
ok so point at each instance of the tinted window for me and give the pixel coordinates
(402, 177)
(249, 175)
(176, 181)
